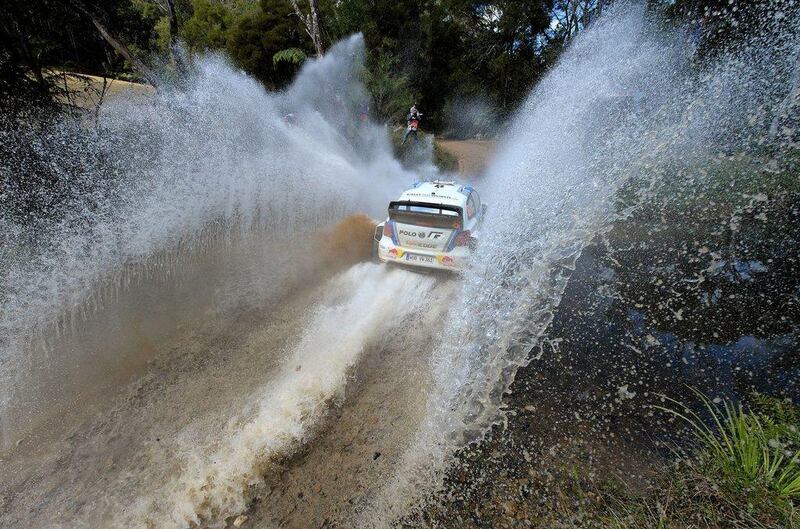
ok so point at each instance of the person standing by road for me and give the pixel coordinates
(412, 120)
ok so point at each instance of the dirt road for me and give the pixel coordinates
(472, 155)
(294, 414)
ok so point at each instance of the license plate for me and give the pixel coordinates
(412, 257)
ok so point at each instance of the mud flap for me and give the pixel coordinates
(377, 235)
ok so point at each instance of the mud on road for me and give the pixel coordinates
(205, 434)
(338, 476)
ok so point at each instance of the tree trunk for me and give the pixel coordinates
(173, 37)
(118, 46)
(27, 56)
(317, 38)
(311, 23)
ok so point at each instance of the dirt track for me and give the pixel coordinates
(106, 467)
(204, 373)
(472, 155)
(116, 461)
(335, 478)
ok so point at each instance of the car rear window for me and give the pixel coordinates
(427, 209)
(426, 214)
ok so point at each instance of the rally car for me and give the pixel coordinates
(432, 225)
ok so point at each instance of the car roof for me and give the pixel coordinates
(439, 192)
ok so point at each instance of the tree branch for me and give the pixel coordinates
(118, 46)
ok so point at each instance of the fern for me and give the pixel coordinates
(290, 55)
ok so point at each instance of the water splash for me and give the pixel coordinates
(621, 113)
(213, 201)
(172, 206)
(219, 480)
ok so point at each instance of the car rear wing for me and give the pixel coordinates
(429, 214)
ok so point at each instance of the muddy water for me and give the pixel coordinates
(181, 445)
(692, 308)
(331, 481)
(202, 373)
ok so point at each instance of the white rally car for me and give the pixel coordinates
(432, 225)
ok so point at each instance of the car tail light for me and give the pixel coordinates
(387, 229)
(464, 238)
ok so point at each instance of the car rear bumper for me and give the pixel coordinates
(453, 261)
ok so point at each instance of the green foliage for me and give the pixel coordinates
(743, 475)
(207, 28)
(162, 30)
(259, 34)
(447, 48)
(424, 50)
(344, 17)
(747, 447)
(263, 38)
(434, 52)
(391, 91)
(290, 55)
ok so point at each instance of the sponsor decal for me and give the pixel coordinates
(395, 253)
(446, 260)
(422, 234)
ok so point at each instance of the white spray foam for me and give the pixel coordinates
(607, 112)
(217, 482)
(212, 172)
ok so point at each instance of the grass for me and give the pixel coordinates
(690, 183)
(749, 448)
(414, 152)
(744, 473)
(443, 158)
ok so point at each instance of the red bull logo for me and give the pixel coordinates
(446, 260)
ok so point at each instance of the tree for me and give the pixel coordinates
(440, 50)
(170, 10)
(117, 44)
(573, 16)
(37, 38)
(208, 27)
(311, 23)
(258, 35)
(23, 45)
(391, 92)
